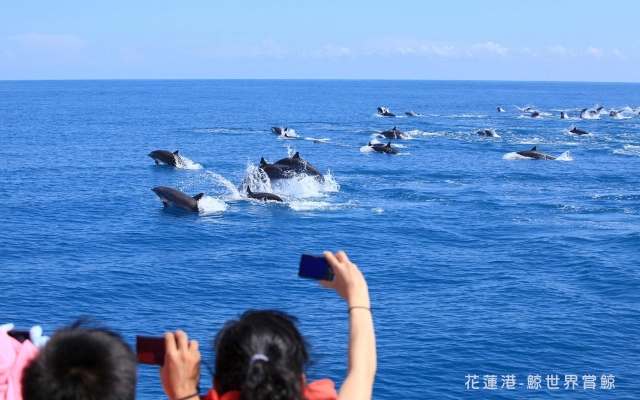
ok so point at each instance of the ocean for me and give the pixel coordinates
(486, 269)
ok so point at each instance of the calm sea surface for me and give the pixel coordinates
(478, 262)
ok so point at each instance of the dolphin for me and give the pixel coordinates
(276, 172)
(385, 112)
(563, 115)
(500, 109)
(279, 130)
(394, 134)
(599, 109)
(578, 131)
(488, 132)
(534, 153)
(535, 114)
(383, 148)
(412, 114)
(263, 196)
(289, 167)
(528, 109)
(614, 114)
(301, 166)
(166, 157)
(178, 199)
(583, 113)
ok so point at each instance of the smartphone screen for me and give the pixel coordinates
(315, 267)
(150, 350)
(20, 336)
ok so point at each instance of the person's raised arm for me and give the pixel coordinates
(351, 286)
(180, 373)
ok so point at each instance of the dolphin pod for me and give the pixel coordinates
(394, 134)
(385, 112)
(383, 148)
(263, 196)
(534, 153)
(290, 167)
(176, 198)
(166, 157)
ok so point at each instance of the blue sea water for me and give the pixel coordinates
(478, 262)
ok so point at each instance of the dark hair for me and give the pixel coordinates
(81, 364)
(269, 333)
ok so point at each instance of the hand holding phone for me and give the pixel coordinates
(315, 267)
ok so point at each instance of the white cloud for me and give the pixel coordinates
(267, 48)
(441, 51)
(50, 42)
(328, 51)
(594, 51)
(491, 48)
(405, 50)
(559, 50)
(618, 54)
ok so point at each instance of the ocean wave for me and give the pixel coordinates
(318, 205)
(628, 150)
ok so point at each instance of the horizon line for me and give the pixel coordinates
(311, 79)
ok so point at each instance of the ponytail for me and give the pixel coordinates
(263, 356)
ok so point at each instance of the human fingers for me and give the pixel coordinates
(169, 342)
(182, 340)
(342, 257)
(327, 284)
(193, 345)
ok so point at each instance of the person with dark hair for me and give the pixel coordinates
(263, 356)
(81, 364)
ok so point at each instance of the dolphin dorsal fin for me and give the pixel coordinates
(369, 144)
(262, 162)
(175, 152)
(198, 196)
(388, 144)
(534, 148)
(297, 155)
(249, 190)
(394, 129)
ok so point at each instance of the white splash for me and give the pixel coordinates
(186, 163)
(210, 205)
(515, 156)
(566, 156)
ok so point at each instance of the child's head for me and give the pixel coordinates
(79, 364)
(262, 355)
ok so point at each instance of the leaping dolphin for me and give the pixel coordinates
(534, 153)
(166, 157)
(263, 196)
(412, 114)
(385, 112)
(394, 134)
(488, 133)
(535, 114)
(279, 130)
(289, 167)
(578, 131)
(500, 109)
(176, 198)
(563, 115)
(382, 148)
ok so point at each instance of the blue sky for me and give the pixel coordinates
(450, 39)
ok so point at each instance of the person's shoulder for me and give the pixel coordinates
(323, 389)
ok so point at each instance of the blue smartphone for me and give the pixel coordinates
(315, 267)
